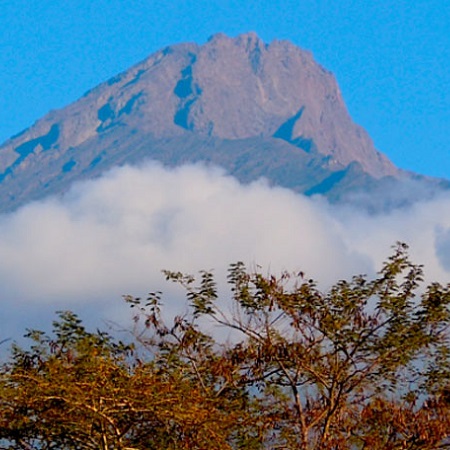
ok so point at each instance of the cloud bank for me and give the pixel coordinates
(113, 235)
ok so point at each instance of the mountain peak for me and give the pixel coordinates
(250, 40)
(248, 37)
(228, 90)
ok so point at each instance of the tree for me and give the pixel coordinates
(82, 390)
(364, 365)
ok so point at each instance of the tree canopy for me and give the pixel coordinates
(364, 365)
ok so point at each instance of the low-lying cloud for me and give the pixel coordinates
(113, 235)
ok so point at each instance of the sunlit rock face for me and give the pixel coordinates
(257, 109)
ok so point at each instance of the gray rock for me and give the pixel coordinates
(256, 109)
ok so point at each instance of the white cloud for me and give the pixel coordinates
(113, 236)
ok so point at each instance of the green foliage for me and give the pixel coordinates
(365, 365)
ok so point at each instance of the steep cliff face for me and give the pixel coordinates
(241, 88)
(236, 102)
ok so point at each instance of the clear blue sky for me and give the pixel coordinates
(391, 58)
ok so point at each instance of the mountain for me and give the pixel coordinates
(255, 109)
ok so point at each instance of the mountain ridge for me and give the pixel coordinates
(189, 103)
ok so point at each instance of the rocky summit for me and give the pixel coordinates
(254, 108)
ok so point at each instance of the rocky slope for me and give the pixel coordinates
(256, 109)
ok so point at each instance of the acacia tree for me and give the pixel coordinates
(364, 365)
(82, 390)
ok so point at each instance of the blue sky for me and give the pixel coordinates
(391, 58)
